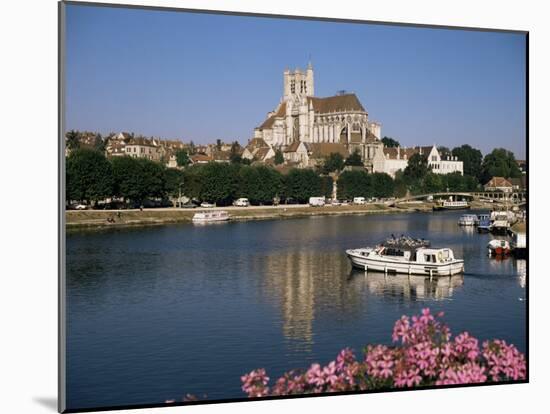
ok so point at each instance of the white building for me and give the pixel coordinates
(391, 160)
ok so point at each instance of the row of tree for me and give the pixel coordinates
(92, 177)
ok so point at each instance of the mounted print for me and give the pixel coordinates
(257, 207)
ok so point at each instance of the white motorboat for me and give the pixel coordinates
(412, 260)
(210, 216)
(468, 220)
(498, 248)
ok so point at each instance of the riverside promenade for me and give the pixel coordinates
(90, 219)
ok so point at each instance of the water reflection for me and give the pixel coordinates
(409, 288)
(306, 282)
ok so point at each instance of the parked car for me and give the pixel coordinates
(204, 204)
(188, 205)
(359, 200)
(241, 202)
(80, 207)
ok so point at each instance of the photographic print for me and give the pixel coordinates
(259, 207)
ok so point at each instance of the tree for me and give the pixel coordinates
(326, 186)
(390, 142)
(136, 179)
(260, 184)
(356, 183)
(382, 185)
(300, 185)
(219, 144)
(417, 167)
(89, 176)
(432, 183)
(173, 182)
(182, 158)
(219, 183)
(471, 159)
(279, 158)
(99, 143)
(354, 159)
(73, 140)
(334, 162)
(192, 149)
(235, 153)
(499, 163)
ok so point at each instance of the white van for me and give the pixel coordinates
(241, 202)
(359, 200)
(316, 201)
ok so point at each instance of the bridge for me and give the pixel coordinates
(515, 197)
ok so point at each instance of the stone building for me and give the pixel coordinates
(303, 117)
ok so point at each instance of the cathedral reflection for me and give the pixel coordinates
(309, 284)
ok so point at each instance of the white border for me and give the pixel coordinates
(29, 206)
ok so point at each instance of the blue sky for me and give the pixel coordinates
(201, 76)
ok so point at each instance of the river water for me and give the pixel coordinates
(156, 313)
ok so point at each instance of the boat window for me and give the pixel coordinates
(427, 257)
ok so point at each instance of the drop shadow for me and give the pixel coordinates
(47, 402)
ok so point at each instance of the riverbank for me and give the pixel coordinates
(100, 219)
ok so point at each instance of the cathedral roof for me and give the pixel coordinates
(337, 103)
(268, 123)
(324, 149)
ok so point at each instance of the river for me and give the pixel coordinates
(156, 313)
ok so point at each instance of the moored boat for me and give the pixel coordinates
(468, 220)
(484, 225)
(499, 248)
(407, 260)
(210, 216)
(451, 205)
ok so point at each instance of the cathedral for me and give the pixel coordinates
(303, 117)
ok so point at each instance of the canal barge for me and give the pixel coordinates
(210, 216)
(412, 260)
(451, 205)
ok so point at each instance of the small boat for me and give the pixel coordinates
(468, 220)
(406, 260)
(451, 205)
(210, 216)
(499, 248)
(500, 222)
(484, 225)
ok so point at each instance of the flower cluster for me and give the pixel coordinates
(424, 354)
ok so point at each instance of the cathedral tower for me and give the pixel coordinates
(298, 83)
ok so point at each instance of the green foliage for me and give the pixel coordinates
(300, 185)
(182, 158)
(417, 167)
(279, 158)
(99, 143)
(499, 163)
(73, 140)
(354, 184)
(390, 142)
(354, 159)
(219, 183)
(471, 159)
(334, 162)
(326, 186)
(173, 182)
(382, 185)
(260, 184)
(89, 176)
(138, 178)
(234, 154)
(400, 185)
(361, 184)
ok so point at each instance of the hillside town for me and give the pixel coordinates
(331, 137)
